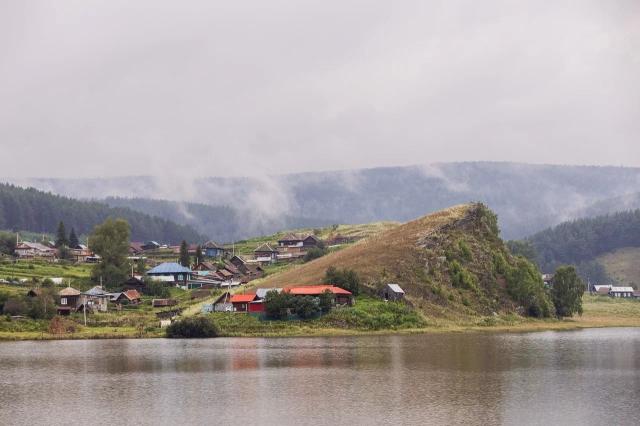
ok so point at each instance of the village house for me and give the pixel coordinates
(613, 291)
(136, 248)
(80, 254)
(625, 292)
(392, 292)
(171, 272)
(134, 283)
(27, 250)
(128, 297)
(94, 300)
(69, 300)
(265, 254)
(214, 250)
(237, 261)
(150, 245)
(241, 302)
(340, 295)
(205, 266)
(223, 303)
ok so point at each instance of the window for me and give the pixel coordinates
(63, 301)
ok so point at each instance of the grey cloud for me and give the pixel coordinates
(202, 88)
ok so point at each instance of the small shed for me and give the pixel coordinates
(392, 292)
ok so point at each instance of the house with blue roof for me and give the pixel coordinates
(171, 271)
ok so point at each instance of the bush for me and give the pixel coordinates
(157, 289)
(192, 327)
(525, 286)
(314, 253)
(461, 277)
(60, 325)
(277, 305)
(306, 307)
(14, 306)
(347, 279)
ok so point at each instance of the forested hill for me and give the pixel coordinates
(527, 198)
(34, 210)
(222, 223)
(580, 241)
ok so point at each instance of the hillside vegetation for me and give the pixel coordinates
(581, 241)
(623, 266)
(526, 197)
(37, 211)
(451, 264)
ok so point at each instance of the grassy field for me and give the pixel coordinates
(623, 265)
(246, 247)
(41, 270)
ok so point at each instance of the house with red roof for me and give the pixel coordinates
(241, 302)
(340, 295)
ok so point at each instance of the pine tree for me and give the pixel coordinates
(199, 256)
(61, 236)
(73, 239)
(184, 254)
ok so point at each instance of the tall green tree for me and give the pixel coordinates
(567, 291)
(184, 254)
(110, 240)
(73, 239)
(61, 235)
(199, 255)
(347, 279)
(7, 243)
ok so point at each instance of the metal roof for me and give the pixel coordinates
(169, 268)
(395, 288)
(96, 291)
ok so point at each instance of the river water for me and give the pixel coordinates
(575, 377)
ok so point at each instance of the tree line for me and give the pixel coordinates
(29, 209)
(579, 242)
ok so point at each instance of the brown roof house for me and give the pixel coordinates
(69, 300)
(265, 254)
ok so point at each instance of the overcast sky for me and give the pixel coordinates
(105, 88)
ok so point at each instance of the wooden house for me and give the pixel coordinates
(265, 254)
(150, 245)
(291, 240)
(94, 300)
(135, 248)
(29, 250)
(172, 272)
(241, 302)
(223, 303)
(213, 249)
(134, 283)
(392, 292)
(69, 300)
(238, 261)
(205, 266)
(128, 297)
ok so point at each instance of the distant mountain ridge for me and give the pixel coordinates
(33, 210)
(526, 197)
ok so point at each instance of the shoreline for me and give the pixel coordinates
(526, 326)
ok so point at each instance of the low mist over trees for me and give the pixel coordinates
(33, 210)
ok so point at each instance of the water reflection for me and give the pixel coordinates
(583, 377)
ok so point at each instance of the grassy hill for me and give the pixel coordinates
(451, 264)
(623, 265)
(360, 231)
